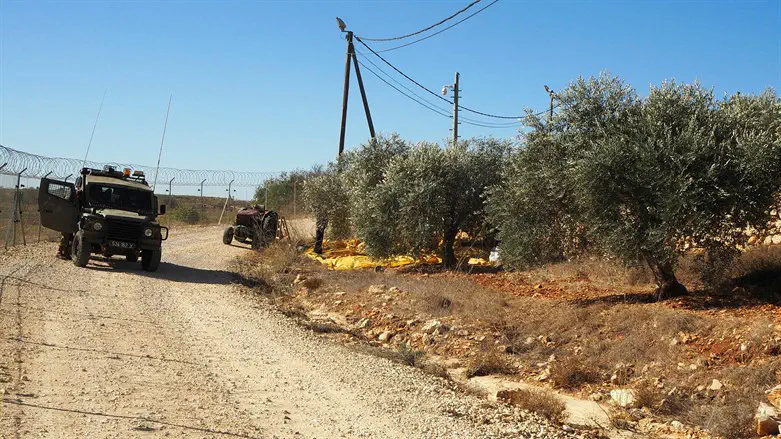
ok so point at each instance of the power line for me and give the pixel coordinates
(495, 116)
(428, 28)
(466, 120)
(430, 107)
(442, 30)
(364, 56)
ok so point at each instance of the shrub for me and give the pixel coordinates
(542, 402)
(572, 373)
(186, 214)
(489, 363)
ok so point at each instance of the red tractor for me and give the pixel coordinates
(255, 225)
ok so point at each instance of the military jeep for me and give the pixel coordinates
(106, 212)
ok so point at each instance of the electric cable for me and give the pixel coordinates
(428, 28)
(440, 31)
(432, 108)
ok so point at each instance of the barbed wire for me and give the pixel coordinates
(37, 166)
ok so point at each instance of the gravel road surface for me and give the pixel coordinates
(110, 351)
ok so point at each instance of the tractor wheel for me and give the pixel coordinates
(80, 250)
(227, 236)
(150, 259)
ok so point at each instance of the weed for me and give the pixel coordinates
(572, 373)
(542, 402)
(488, 362)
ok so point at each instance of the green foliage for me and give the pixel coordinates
(186, 214)
(325, 196)
(638, 178)
(280, 188)
(424, 194)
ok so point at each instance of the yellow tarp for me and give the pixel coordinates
(350, 255)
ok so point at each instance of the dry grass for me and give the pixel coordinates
(542, 402)
(488, 362)
(572, 373)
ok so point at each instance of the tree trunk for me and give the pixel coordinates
(321, 225)
(667, 284)
(448, 253)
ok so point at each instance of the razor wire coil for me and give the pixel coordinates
(37, 166)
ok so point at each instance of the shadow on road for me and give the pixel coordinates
(20, 402)
(167, 271)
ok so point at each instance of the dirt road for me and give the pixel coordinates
(112, 351)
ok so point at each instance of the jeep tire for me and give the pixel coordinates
(150, 259)
(80, 250)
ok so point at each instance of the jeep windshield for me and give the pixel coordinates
(102, 196)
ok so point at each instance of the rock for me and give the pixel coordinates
(394, 290)
(774, 396)
(337, 302)
(385, 336)
(340, 294)
(767, 420)
(462, 333)
(715, 385)
(544, 375)
(768, 240)
(676, 425)
(377, 289)
(430, 326)
(776, 239)
(752, 240)
(365, 323)
(529, 341)
(674, 341)
(622, 397)
(596, 396)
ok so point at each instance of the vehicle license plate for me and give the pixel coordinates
(121, 244)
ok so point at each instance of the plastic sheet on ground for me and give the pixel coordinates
(350, 255)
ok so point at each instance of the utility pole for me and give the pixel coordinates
(346, 91)
(455, 110)
(171, 192)
(552, 95)
(455, 105)
(201, 191)
(226, 202)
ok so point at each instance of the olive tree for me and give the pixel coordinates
(427, 195)
(325, 196)
(645, 178)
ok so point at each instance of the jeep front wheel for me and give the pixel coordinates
(80, 250)
(150, 259)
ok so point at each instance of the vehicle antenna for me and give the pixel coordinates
(160, 154)
(84, 163)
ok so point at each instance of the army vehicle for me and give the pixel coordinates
(106, 212)
(253, 224)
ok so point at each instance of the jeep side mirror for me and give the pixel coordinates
(162, 209)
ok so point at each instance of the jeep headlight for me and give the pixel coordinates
(97, 226)
(148, 233)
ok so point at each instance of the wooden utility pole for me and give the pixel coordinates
(363, 94)
(346, 91)
(552, 95)
(455, 110)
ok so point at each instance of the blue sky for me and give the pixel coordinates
(257, 85)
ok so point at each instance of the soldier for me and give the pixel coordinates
(64, 249)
